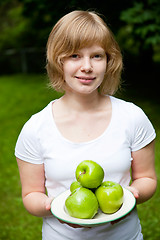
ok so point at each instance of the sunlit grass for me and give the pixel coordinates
(21, 96)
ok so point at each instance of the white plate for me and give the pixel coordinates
(58, 210)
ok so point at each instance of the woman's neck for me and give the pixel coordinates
(79, 102)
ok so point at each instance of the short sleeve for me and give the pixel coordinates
(142, 131)
(27, 146)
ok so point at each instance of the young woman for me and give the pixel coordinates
(84, 61)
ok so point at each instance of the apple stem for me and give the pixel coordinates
(81, 174)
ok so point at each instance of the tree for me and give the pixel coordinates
(141, 32)
(45, 14)
(135, 23)
(13, 25)
(27, 23)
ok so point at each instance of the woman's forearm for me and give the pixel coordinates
(144, 188)
(37, 204)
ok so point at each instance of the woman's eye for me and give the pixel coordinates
(74, 56)
(97, 56)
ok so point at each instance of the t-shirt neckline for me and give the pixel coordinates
(85, 142)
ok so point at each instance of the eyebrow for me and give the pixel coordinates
(99, 50)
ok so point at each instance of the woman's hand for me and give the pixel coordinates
(134, 191)
(136, 195)
(48, 202)
(131, 189)
(70, 224)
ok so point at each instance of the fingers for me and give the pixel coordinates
(118, 220)
(136, 195)
(70, 224)
(134, 191)
(48, 203)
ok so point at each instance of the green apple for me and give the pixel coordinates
(82, 203)
(110, 196)
(75, 185)
(90, 174)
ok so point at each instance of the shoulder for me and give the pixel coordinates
(133, 119)
(28, 147)
(38, 119)
(34, 127)
(128, 108)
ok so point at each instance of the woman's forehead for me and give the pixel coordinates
(92, 48)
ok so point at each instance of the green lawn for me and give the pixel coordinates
(21, 96)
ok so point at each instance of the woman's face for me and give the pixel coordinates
(84, 70)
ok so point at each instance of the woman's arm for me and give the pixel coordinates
(144, 181)
(34, 195)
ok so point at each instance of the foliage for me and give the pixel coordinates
(13, 25)
(33, 20)
(145, 20)
(26, 24)
(142, 25)
(21, 96)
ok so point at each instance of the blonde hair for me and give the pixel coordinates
(74, 31)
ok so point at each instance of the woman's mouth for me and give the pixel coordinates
(85, 80)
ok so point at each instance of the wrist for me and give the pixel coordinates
(37, 204)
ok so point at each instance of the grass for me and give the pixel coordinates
(21, 96)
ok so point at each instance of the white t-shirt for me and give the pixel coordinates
(40, 142)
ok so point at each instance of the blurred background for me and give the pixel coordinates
(24, 29)
(25, 26)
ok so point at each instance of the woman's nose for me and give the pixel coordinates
(86, 65)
